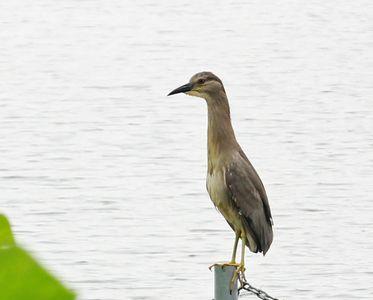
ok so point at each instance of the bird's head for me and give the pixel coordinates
(204, 85)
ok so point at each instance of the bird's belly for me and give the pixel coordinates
(221, 198)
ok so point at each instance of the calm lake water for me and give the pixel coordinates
(103, 176)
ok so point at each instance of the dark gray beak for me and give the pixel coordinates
(182, 89)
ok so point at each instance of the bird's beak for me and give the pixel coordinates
(182, 89)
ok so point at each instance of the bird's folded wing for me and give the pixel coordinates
(248, 194)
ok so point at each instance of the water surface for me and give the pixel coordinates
(103, 176)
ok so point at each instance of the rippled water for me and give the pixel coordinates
(103, 176)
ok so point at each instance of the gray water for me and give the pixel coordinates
(103, 176)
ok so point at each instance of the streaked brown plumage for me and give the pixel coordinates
(232, 182)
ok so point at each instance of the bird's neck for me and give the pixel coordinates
(220, 136)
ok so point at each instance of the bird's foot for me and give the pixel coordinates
(223, 265)
(239, 274)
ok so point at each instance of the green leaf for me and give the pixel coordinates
(21, 276)
(6, 236)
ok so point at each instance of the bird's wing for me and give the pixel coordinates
(258, 184)
(248, 194)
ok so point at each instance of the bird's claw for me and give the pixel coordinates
(223, 265)
(239, 274)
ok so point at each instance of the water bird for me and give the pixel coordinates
(234, 186)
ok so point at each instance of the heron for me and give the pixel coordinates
(233, 184)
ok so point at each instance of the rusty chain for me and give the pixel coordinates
(258, 292)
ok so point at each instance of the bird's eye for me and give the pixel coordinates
(201, 81)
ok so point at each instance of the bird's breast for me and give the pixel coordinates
(216, 187)
(219, 195)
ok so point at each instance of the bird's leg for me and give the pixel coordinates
(241, 269)
(239, 273)
(233, 260)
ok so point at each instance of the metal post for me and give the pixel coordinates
(222, 280)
